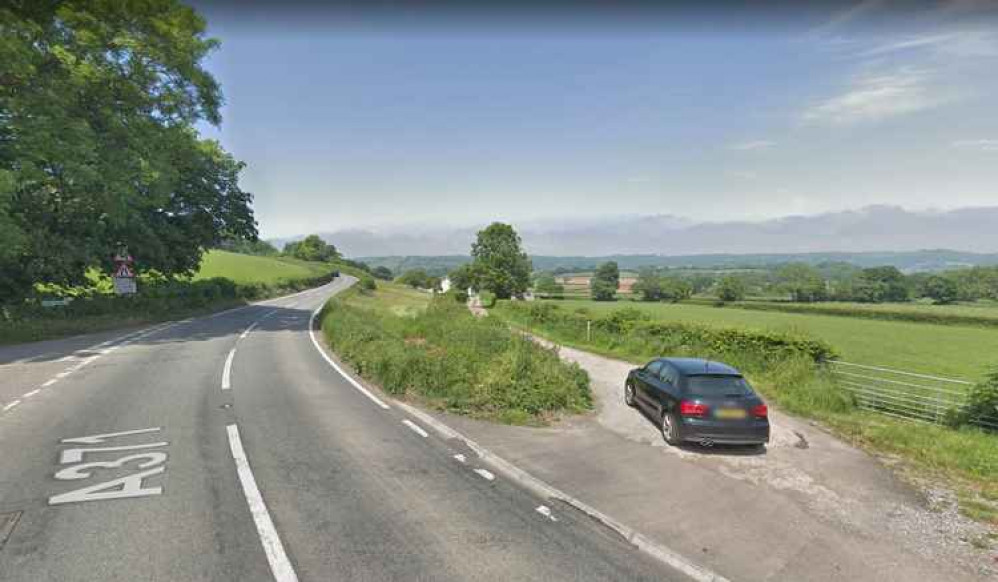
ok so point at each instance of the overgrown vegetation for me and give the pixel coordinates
(444, 356)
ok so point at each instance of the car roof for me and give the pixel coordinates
(700, 366)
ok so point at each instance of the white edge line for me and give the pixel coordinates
(415, 428)
(32, 393)
(486, 474)
(322, 352)
(11, 405)
(227, 370)
(49, 383)
(280, 565)
(542, 489)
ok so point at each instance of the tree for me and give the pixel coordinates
(675, 289)
(803, 282)
(249, 247)
(649, 285)
(311, 248)
(941, 290)
(605, 281)
(499, 263)
(415, 278)
(462, 278)
(382, 272)
(547, 285)
(731, 288)
(879, 284)
(98, 147)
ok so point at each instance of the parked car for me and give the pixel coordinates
(699, 401)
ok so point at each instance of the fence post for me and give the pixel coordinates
(589, 330)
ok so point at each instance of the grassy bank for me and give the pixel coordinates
(964, 459)
(434, 351)
(234, 280)
(945, 350)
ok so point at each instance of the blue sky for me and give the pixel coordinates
(346, 125)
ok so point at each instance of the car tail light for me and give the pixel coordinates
(687, 408)
(760, 411)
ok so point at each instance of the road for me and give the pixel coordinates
(246, 456)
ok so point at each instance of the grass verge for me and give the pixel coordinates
(437, 353)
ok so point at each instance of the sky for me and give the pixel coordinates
(349, 119)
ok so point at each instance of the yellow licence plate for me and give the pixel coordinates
(730, 413)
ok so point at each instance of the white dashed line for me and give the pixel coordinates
(11, 405)
(322, 352)
(280, 566)
(61, 375)
(32, 393)
(49, 383)
(415, 428)
(461, 458)
(248, 329)
(227, 370)
(485, 474)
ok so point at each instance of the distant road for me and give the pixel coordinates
(227, 448)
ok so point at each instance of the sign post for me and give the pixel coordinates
(124, 274)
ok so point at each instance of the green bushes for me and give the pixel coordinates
(456, 362)
(982, 404)
(631, 329)
(918, 316)
(786, 367)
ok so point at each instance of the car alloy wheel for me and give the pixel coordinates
(629, 395)
(669, 428)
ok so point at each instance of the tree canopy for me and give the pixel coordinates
(499, 263)
(311, 248)
(98, 147)
(604, 282)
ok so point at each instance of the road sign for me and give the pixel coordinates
(124, 285)
(124, 271)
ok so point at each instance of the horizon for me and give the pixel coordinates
(428, 118)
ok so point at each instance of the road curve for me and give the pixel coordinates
(246, 456)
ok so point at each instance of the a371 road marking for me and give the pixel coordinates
(153, 463)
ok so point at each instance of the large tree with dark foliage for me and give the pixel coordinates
(499, 263)
(98, 103)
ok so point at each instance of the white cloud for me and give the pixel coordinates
(959, 43)
(984, 145)
(871, 98)
(759, 144)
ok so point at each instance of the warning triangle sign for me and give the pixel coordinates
(124, 271)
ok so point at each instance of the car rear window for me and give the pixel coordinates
(718, 386)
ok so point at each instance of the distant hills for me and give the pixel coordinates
(908, 261)
(870, 235)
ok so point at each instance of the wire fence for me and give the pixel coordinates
(904, 394)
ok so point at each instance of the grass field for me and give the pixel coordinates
(252, 269)
(947, 350)
(391, 297)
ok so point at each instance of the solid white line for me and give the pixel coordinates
(486, 474)
(227, 370)
(63, 374)
(11, 405)
(322, 352)
(49, 383)
(280, 566)
(415, 428)
(461, 458)
(32, 393)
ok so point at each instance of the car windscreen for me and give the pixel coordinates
(717, 386)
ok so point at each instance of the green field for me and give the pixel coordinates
(392, 297)
(252, 269)
(948, 350)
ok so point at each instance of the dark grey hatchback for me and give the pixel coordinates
(699, 401)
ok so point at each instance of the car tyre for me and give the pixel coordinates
(629, 395)
(670, 428)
